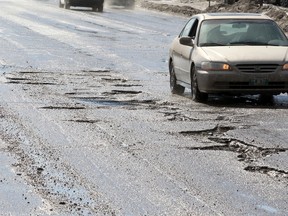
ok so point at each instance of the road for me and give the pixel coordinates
(89, 126)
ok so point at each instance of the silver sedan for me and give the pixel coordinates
(238, 53)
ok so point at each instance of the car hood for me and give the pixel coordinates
(246, 54)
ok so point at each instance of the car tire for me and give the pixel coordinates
(284, 3)
(175, 88)
(60, 4)
(100, 7)
(266, 99)
(66, 4)
(95, 8)
(195, 93)
(130, 4)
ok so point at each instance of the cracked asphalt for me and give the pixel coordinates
(89, 126)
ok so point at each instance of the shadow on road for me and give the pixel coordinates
(248, 101)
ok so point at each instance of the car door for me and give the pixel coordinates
(187, 52)
(182, 53)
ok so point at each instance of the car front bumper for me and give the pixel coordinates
(236, 82)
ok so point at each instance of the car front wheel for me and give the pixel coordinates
(195, 93)
(175, 88)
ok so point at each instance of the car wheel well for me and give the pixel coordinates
(174, 87)
(191, 70)
(195, 93)
(170, 61)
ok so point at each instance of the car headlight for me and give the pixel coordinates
(215, 66)
(285, 66)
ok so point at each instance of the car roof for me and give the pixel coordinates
(208, 16)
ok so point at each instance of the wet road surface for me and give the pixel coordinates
(89, 127)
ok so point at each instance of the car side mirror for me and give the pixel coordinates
(186, 41)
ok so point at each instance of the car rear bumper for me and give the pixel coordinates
(85, 3)
(235, 82)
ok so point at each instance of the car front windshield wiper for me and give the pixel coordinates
(211, 44)
(251, 43)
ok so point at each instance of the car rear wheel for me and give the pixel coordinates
(175, 88)
(195, 93)
(60, 4)
(66, 4)
(130, 4)
(98, 7)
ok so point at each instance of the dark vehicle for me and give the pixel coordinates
(283, 3)
(97, 5)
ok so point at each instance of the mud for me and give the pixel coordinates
(279, 14)
(216, 130)
(246, 152)
(116, 142)
(59, 184)
(43, 168)
(62, 107)
(272, 172)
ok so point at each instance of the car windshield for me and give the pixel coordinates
(241, 32)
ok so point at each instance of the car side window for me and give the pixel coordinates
(190, 28)
(193, 31)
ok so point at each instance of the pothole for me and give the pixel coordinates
(113, 80)
(52, 178)
(101, 102)
(218, 129)
(30, 72)
(17, 78)
(246, 152)
(62, 107)
(175, 116)
(127, 85)
(272, 172)
(97, 71)
(115, 92)
(90, 121)
(31, 83)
